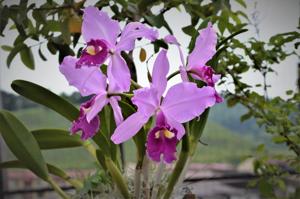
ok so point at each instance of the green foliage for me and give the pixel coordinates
(45, 97)
(22, 143)
(57, 25)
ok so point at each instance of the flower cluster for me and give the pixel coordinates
(181, 103)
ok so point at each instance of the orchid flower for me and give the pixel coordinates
(90, 81)
(100, 33)
(183, 102)
(205, 49)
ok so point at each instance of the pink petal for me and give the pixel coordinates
(183, 74)
(98, 25)
(177, 125)
(87, 80)
(116, 109)
(205, 47)
(146, 100)
(129, 127)
(170, 39)
(185, 101)
(89, 129)
(118, 74)
(99, 102)
(133, 31)
(159, 73)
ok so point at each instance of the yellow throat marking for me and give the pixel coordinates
(91, 50)
(166, 133)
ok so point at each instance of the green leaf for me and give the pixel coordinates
(22, 144)
(45, 97)
(4, 15)
(7, 48)
(158, 21)
(246, 116)
(279, 139)
(27, 57)
(242, 3)
(159, 43)
(190, 30)
(56, 138)
(14, 52)
(196, 129)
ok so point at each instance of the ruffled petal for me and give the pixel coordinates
(118, 74)
(185, 101)
(98, 25)
(129, 127)
(205, 47)
(89, 129)
(87, 80)
(133, 31)
(94, 54)
(159, 73)
(162, 140)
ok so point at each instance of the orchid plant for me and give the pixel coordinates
(158, 118)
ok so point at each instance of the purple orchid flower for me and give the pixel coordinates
(205, 49)
(90, 81)
(100, 33)
(182, 103)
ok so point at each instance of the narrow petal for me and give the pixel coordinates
(133, 31)
(118, 74)
(159, 73)
(98, 25)
(99, 102)
(185, 101)
(129, 127)
(87, 80)
(116, 109)
(146, 100)
(205, 47)
(183, 74)
(170, 39)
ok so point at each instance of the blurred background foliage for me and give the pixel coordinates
(57, 27)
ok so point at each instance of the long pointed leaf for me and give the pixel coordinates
(56, 138)
(22, 144)
(45, 97)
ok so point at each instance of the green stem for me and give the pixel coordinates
(90, 148)
(179, 167)
(230, 37)
(117, 177)
(173, 75)
(136, 85)
(127, 95)
(57, 189)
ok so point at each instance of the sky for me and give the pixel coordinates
(275, 16)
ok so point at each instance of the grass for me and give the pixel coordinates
(223, 145)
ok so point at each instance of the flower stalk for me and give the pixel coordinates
(117, 177)
(57, 189)
(179, 167)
